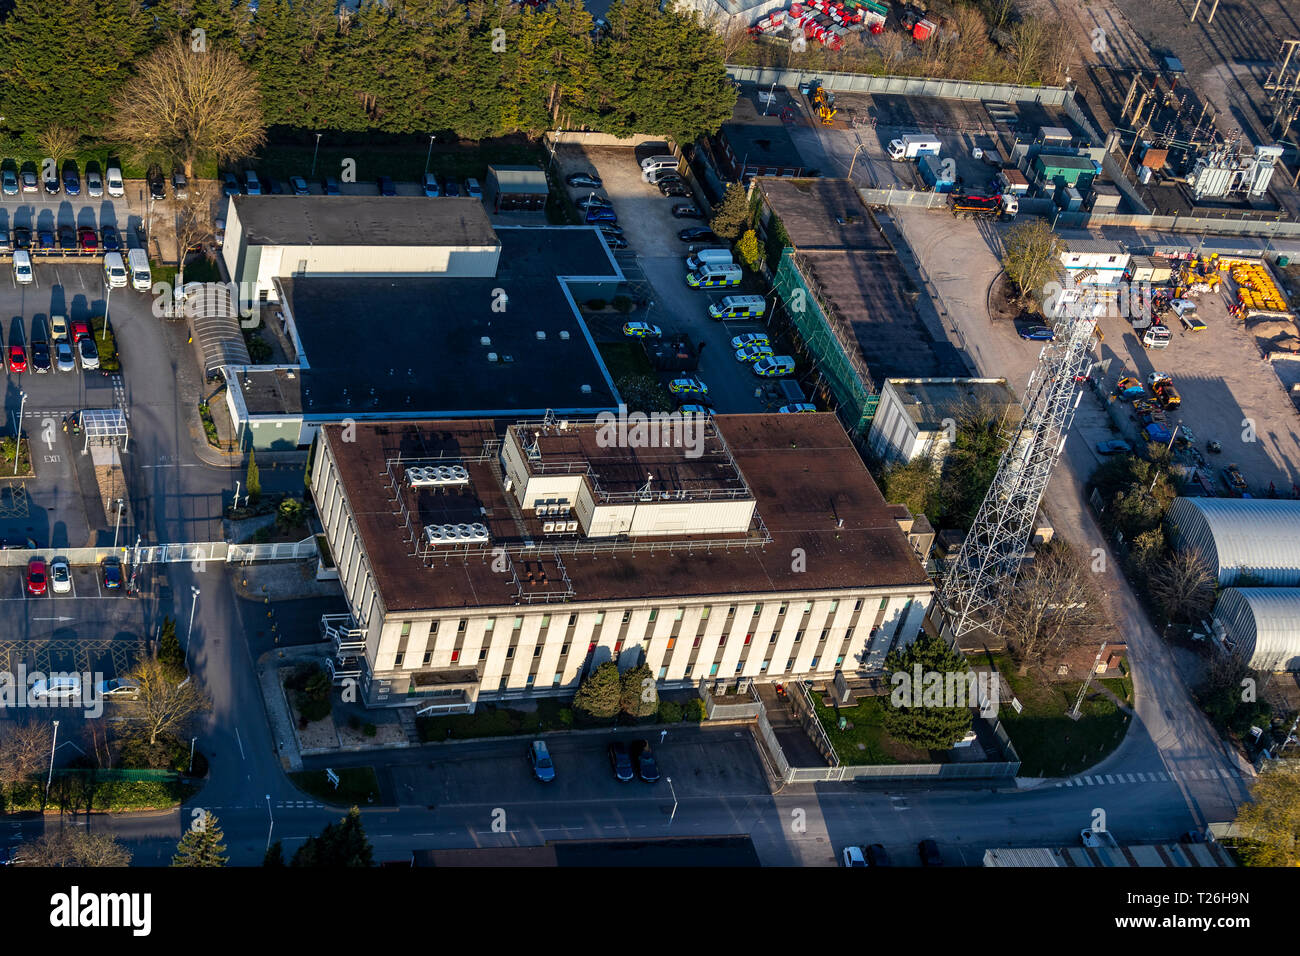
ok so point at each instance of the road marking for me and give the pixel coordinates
(1109, 778)
(241, 744)
(59, 619)
(1163, 778)
(1088, 781)
(1142, 777)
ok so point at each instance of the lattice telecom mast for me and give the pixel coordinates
(996, 543)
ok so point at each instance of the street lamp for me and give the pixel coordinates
(189, 634)
(18, 430)
(117, 524)
(50, 778)
(673, 816)
(429, 156)
(313, 154)
(271, 816)
(860, 148)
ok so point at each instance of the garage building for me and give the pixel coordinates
(516, 189)
(1243, 540)
(1261, 626)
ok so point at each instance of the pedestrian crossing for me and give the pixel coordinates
(1159, 776)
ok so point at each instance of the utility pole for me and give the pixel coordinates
(1073, 714)
(1282, 92)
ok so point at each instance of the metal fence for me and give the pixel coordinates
(746, 711)
(193, 552)
(765, 731)
(905, 771)
(900, 85)
(903, 197)
(803, 707)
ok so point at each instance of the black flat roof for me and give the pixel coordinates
(410, 346)
(363, 221)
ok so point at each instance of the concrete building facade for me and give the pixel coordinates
(544, 552)
(920, 416)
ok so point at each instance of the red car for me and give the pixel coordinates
(80, 331)
(87, 238)
(17, 359)
(36, 577)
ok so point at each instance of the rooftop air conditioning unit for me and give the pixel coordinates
(541, 336)
(484, 340)
(549, 527)
(572, 526)
(564, 336)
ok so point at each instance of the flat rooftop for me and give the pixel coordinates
(758, 140)
(811, 487)
(930, 401)
(363, 221)
(873, 294)
(823, 214)
(411, 346)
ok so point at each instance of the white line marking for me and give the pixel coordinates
(241, 744)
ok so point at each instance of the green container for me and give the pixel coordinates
(1283, 261)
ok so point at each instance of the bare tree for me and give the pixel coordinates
(1032, 256)
(58, 143)
(165, 706)
(183, 104)
(73, 846)
(1028, 44)
(1059, 52)
(1000, 10)
(1183, 586)
(24, 751)
(1049, 595)
(194, 225)
(892, 46)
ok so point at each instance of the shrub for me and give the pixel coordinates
(595, 305)
(695, 712)
(261, 535)
(670, 712)
(290, 514)
(565, 716)
(599, 696)
(354, 722)
(623, 303)
(370, 730)
(314, 693)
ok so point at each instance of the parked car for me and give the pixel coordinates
(9, 181)
(157, 184)
(647, 768)
(64, 358)
(87, 239)
(272, 187)
(329, 186)
(17, 357)
(616, 242)
(22, 237)
(1037, 333)
(620, 761)
(675, 189)
(94, 181)
(929, 852)
(774, 366)
(687, 211)
(593, 199)
(80, 330)
(112, 573)
(472, 189)
(45, 240)
(252, 185)
(796, 408)
(597, 214)
(697, 410)
(1098, 838)
(6, 241)
(853, 856)
(36, 577)
(431, 187)
(578, 180)
(642, 330)
(539, 758)
(89, 353)
(60, 576)
(1192, 322)
(67, 239)
(27, 178)
(230, 185)
(877, 855)
(110, 239)
(1156, 378)
(450, 187)
(180, 185)
(752, 353)
(688, 386)
(696, 234)
(51, 184)
(40, 359)
(298, 186)
(119, 688)
(1114, 446)
(749, 338)
(386, 186)
(71, 179)
(609, 229)
(113, 182)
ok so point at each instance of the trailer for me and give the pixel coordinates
(982, 206)
(912, 146)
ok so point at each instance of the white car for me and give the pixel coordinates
(119, 687)
(752, 353)
(774, 366)
(187, 290)
(642, 330)
(113, 177)
(797, 407)
(94, 184)
(749, 338)
(688, 386)
(853, 856)
(1098, 838)
(60, 576)
(1182, 307)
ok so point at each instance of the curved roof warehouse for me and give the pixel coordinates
(1262, 625)
(1241, 537)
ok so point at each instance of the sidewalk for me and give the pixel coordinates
(283, 581)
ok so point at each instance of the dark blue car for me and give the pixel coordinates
(329, 186)
(230, 185)
(601, 214)
(71, 179)
(1038, 333)
(386, 186)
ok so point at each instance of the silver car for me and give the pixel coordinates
(60, 576)
(64, 360)
(89, 353)
(94, 184)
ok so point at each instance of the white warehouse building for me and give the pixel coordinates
(1261, 626)
(920, 416)
(1244, 540)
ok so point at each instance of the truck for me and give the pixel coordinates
(984, 206)
(913, 145)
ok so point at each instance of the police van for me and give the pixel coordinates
(714, 277)
(709, 257)
(739, 307)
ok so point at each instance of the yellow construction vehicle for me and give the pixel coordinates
(825, 103)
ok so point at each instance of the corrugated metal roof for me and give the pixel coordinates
(1242, 535)
(519, 179)
(1264, 624)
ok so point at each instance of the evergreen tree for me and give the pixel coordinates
(640, 697)
(341, 844)
(253, 478)
(274, 854)
(600, 696)
(170, 653)
(203, 845)
(732, 214)
(919, 721)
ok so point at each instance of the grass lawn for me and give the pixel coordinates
(163, 274)
(1050, 744)
(864, 741)
(106, 342)
(489, 720)
(625, 358)
(358, 786)
(403, 162)
(202, 269)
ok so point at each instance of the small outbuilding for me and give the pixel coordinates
(1261, 626)
(516, 189)
(1244, 540)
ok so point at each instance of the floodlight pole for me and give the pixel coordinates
(18, 431)
(314, 152)
(53, 746)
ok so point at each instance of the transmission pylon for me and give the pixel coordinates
(996, 543)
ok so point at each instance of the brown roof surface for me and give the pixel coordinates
(823, 214)
(802, 469)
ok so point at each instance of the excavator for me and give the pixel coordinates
(825, 104)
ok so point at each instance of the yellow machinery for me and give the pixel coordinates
(825, 104)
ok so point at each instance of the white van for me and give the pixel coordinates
(715, 277)
(114, 271)
(712, 257)
(658, 162)
(113, 179)
(67, 688)
(23, 274)
(137, 261)
(739, 307)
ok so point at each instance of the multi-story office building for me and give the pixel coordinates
(487, 560)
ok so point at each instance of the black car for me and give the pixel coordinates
(589, 180)
(180, 185)
(22, 237)
(615, 242)
(697, 234)
(686, 211)
(67, 238)
(620, 761)
(157, 182)
(609, 229)
(594, 199)
(675, 189)
(71, 179)
(230, 185)
(110, 239)
(647, 768)
(386, 186)
(272, 186)
(40, 356)
(877, 856)
(929, 851)
(450, 187)
(329, 186)
(51, 186)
